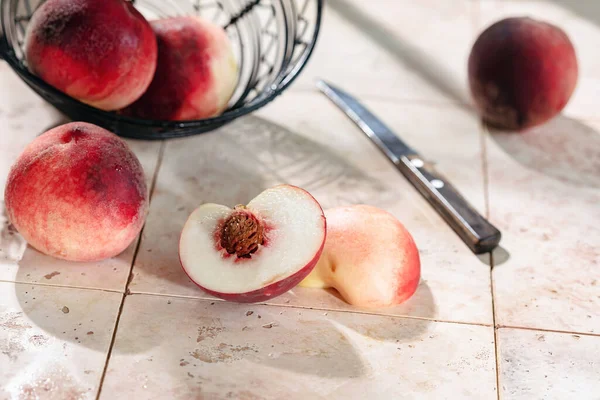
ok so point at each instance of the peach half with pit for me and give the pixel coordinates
(255, 252)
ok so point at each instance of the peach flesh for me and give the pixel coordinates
(522, 73)
(196, 73)
(101, 52)
(293, 230)
(78, 193)
(369, 258)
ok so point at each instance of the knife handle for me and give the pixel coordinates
(477, 232)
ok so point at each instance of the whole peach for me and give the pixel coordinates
(101, 52)
(196, 73)
(78, 193)
(522, 72)
(369, 258)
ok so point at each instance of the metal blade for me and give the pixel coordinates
(373, 127)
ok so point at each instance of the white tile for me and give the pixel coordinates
(25, 116)
(546, 365)
(544, 190)
(188, 348)
(53, 341)
(581, 21)
(399, 49)
(316, 147)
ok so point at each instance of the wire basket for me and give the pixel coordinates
(272, 40)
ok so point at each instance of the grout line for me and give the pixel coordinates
(475, 21)
(54, 285)
(496, 348)
(486, 186)
(299, 307)
(526, 328)
(161, 153)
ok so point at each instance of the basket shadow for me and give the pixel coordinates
(563, 149)
(231, 166)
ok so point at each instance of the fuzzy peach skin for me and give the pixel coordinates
(522, 72)
(78, 193)
(101, 52)
(196, 73)
(369, 258)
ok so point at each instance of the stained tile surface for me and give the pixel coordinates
(53, 341)
(226, 350)
(544, 190)
(546, 365)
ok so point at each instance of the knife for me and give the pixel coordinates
(475, 231)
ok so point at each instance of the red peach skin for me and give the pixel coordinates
(78, 193)
(522, 73)
(101, 52)
(196, 73)
(369, 258)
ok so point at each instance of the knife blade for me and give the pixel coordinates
(474, 230)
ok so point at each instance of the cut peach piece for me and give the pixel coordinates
(369, 258)
(256, 252)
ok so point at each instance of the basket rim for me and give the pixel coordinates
(7, 54)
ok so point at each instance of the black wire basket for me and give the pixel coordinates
(272, 40)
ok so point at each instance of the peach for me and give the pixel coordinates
(78, 193)
(256, 252)
(100, 52)
(196, 73)
(369, 258)
(522, 72)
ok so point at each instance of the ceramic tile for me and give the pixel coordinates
(318, 148)
(25, 115)
(546, 365)
(380, 48)
(53, 341)
(544, 188)
(226, 350)
(581, 21)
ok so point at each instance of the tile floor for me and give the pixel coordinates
(528, 328)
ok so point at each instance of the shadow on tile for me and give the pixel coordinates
(406, 53)
(78, 317)
(230, 167)
(563, 149)
(421, 304)
(498, 257)
(589, 10)
(295, 159)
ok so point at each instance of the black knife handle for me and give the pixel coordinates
(477, 232)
